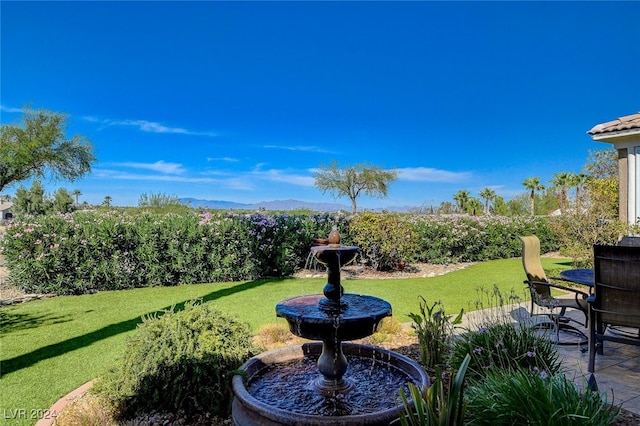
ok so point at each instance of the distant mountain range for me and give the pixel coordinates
(279, 205)
(267, 205)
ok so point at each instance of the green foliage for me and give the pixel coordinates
(462, 238)
(519, 397)
(353, 181)
(112, 249)
(385, 239)
(158, 200)
(93, 251)
(62, 201)
(505, 346)
(35, 202)
(434, 330)
(437, 405)
(533, 185)
(595, 222)
(494, 341)
(602, 164)
(38, 144)
(179, 361)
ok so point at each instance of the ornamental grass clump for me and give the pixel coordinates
(505, 347)
(178, 362)
(526, 397)
(495, 341)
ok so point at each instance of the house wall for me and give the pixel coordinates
(629, 177)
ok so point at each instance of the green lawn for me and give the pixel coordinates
(50, 347)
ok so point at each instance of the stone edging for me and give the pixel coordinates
(56, 408)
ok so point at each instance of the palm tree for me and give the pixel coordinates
(579, 180)
(533, 184)
(76, 193)
(561, 182)
(107, 201)
(474, 206)
(462, 199)
(488, 195)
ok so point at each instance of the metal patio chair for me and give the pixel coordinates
(541, 287)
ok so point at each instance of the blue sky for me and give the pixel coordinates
(241, 101)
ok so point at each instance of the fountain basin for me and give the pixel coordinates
(249, 410)
(357, 318)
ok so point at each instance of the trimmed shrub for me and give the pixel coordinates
(100, 250)
(385, 239)
(464, 238)
(179, 361)
(86, 252)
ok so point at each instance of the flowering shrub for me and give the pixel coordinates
(384, 239)
(83, 252)
(91, 251)
(463, 238)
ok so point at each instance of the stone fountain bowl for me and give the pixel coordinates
(248, 410)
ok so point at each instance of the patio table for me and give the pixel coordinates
(585, 276)
(582, 276)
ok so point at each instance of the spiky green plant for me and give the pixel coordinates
(434, 330)
(438, 405)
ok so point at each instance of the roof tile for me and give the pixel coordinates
(627, 122)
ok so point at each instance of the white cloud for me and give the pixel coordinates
(158, 166)
(287, 176)
(116, 174)
(427, 174)
(225, 159)
(147, 126)
(240, 183)
(10, 109)
(303, 148)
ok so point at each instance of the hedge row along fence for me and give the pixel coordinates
(85, 252)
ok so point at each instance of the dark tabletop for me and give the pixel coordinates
(580, 276)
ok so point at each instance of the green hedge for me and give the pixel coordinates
(463, 238)
(84, 252)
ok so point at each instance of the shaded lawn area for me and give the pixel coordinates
(50, 347)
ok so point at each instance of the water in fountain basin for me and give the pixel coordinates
(288, 386)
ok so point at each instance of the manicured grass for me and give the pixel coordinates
(50, 347)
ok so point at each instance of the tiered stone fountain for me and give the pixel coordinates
(328, 383)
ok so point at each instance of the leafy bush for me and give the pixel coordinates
(434, 330)
(518, 397)
(385, 239)
(463, 238)
(114, 249)
(178, 361)
(118, 249)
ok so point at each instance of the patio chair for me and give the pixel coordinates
(629, 241)
(616, 298)
(541, 287)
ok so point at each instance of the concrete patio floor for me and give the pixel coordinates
(617, 370)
